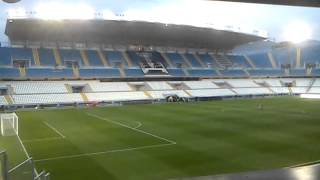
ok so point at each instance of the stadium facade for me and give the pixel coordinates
(68, 62)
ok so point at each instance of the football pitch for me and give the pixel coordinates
(164, 141)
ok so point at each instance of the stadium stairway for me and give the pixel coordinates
(298, 58)
(148, 94)
(235, 92)
(185, 59)
(287, 71)
(186, 72)
(218, 72)
(214, 61)
(310, 85)
(122, 72)
(199, 60)
(166, 58)
(309, 71)
(22, 72)
(84, 97)
(84, 57)
(222, 61)
(103, 59)
(246, 71)
(272, 61)
(36, 57)
(249, 61)
(127, 59)
(75, 71)
(290, 91)
(57, 56)
(9, 99)
(190, 95)
(68, 87)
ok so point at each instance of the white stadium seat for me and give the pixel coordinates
(200, 84)
(109, 86)
(210, 92)
(117, 96)
(47, 98)
(242, 83)
(39, 87)
(252, 91)
(316, 83)
(280, 90)
(273, 82)
(314, 90)
(302, 82)
(299, 90)
(159, 85)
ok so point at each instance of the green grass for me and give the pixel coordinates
(212, 138)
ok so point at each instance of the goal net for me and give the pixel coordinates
(9, 124)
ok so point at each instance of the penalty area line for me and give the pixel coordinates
(103, 152)
(54, 129)
(135, 129)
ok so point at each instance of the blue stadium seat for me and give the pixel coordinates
(239, 61)
(137, 72)
(9, 72)
(175, 58)
(135, 59)
(203, 73)
(233, 73)
(115, 57)
(298, 72)
(285, 56)
(260, 60)
(266, 72)
(99, 73)
(176, 72)
(207, 59)
(22, 54)
(70, 55)
(316, 72)
(310, 55)
(5, 56)
(94, 58)
(156, 56)
(193, 61)
(49, 73)
(46, 57)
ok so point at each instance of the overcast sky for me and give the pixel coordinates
(273, 19)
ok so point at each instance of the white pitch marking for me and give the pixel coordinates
(103, 152)
(55, 130)
(139, 125)
(138, 130)
(306, 163)
(42, 139)
(24, 148)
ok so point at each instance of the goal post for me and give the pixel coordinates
(9, 123)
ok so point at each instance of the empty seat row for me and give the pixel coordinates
(200, 84)
(46, 98)
(117, 96)
(109, 86)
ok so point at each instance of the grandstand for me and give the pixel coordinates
(91, 63)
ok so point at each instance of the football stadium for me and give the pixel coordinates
(101, 96)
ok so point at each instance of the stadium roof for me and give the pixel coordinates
(115, 32)
(310, 3)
